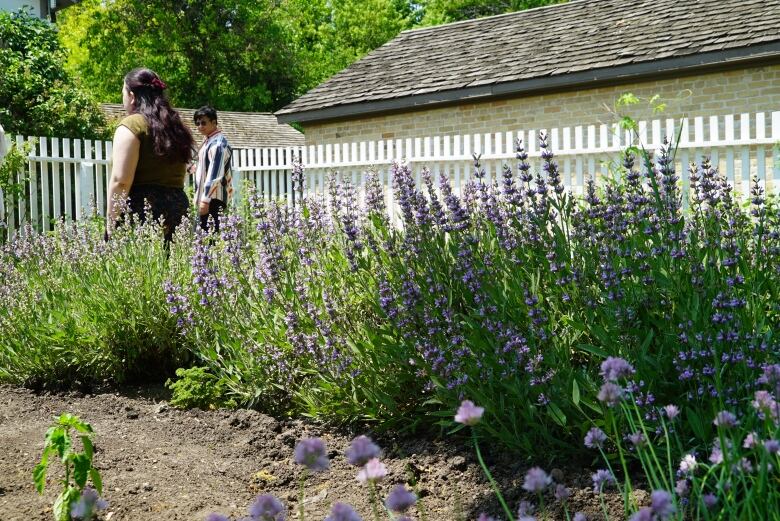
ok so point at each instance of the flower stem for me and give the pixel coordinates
(373, 499)
(493, 483)
(301, 510)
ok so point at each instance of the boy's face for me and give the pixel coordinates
(205, 125)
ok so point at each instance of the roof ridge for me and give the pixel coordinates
(560, 4)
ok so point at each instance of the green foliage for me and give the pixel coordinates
(438, 12)
(37, 96)
(196, 387)
(94, 311)
(232, 54)
(78, 468)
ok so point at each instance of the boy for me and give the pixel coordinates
(213, 175)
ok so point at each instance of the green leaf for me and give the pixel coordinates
(590, 348)
(96, 480)
(39, 477)
(557, 414)
(81, 466)
(89, 449)
(696, 424)
(575, 392)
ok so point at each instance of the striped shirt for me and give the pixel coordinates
(213, 177)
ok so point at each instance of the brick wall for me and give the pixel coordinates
(731, 92)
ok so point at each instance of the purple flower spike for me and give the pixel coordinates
(373, 471)
(311, 453)
(267, 508)
(361, 450)
(400, 499)
(217, 517)
(662, 505)
(536, 480)
(342, 512)
(468, 413)
(595, 438)
(614, 368)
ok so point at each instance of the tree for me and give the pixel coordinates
(437, 12)
(232, 54)
(37, 96)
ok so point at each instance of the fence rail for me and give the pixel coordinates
(64, 177)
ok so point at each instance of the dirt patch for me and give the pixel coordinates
(160, 463)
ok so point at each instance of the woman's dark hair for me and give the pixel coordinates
(170, 137)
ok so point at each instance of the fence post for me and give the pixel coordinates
(85, 189)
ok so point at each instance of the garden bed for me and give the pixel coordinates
(160, 463)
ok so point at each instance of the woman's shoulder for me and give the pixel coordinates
(136, 123)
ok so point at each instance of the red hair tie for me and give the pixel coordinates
(158, 83)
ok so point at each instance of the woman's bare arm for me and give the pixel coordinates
(125, 159)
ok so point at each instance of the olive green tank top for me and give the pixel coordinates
(153, 169)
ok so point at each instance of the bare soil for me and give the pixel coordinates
(160, 463)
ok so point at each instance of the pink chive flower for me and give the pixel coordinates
(468, 413)
(311, 453)
(688, 463)
(672, 411)
(372, 472)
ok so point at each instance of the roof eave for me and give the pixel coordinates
(726, 59)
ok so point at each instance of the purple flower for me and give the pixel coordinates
(88, 504)
(400, 499)
(643, 514)
(311, 453)
(468, 413)
(536, 480)
(682, 488)
(342, 512)
(751, 441)
(772, 446)
(709, 500)
(613, 368)
(525, 509)
(637, 439)
(595, 438)
(361, 450)
(579, 516)
(485, 517)
(610, 394)
(267, 508)
(601, 478)
(672, 411)
(217, 517)
(662, 505)
(373, 471)
(726, 420)
(561, 492)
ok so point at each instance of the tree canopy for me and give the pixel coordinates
(37, 96)
(244, 55)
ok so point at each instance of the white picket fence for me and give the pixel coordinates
(64, 177)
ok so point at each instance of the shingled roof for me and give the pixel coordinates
(242, 129)
(559, 46)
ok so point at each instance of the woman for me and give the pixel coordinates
(151, 150)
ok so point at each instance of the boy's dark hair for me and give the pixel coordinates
(206, 110)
